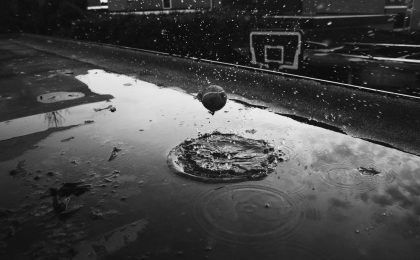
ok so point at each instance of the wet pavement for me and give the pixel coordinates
(29, 78)
(335, 196)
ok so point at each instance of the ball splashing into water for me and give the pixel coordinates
(213, 98)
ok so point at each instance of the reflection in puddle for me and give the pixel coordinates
(14, 147)
(54, 119)
(293, 179)
(317, 202)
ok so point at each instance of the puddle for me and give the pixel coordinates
(54, 97)
(322, 200)
(218, 157)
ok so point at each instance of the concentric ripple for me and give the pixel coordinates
(292, 179)
(247, 214)
(347, 176)
(289, 150)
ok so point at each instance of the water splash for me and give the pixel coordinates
(218, 157)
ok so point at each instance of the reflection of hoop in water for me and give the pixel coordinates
(54, 118)
(247, 214)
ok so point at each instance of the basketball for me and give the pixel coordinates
(213, 98)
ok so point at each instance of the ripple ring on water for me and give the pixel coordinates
(347, 177)
(292, 180)
(248, 214)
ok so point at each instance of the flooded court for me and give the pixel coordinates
(331, 196)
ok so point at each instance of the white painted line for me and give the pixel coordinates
(383, 44)
(397, 60)
(395, 7)
(99, 7)
(159, 12)
(326, 16)
(401, 29)
(370, 58)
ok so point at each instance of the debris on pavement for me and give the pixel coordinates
(51, 173)
(20, 169)
(67, 72)
(114, 153)
(67, 139)
(250, 131)
(73, 188)
(368, 171)
(61, 197)
(96, 214)
(110, 108)
(75, 162)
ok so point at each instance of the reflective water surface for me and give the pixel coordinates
(318, 204)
